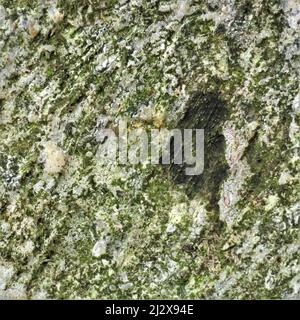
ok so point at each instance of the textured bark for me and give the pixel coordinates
(71, 227)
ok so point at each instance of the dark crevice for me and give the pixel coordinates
(205, 111)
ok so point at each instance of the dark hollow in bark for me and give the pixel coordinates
(205, 111)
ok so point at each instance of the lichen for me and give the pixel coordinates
(73, 227)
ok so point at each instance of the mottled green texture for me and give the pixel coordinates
(67, 65)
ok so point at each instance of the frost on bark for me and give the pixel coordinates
(71, 227)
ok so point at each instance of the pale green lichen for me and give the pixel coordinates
(94, 231)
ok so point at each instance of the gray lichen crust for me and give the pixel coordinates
(71, 227)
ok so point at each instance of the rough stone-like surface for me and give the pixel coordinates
(71, 227)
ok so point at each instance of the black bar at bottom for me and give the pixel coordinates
(150, 309)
